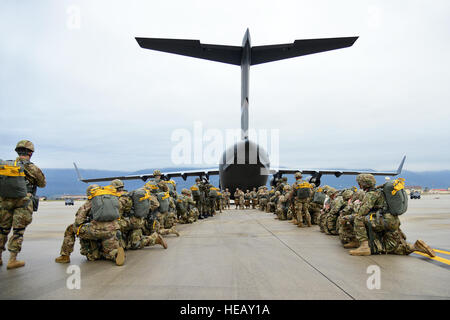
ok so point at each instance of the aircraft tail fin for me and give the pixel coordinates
(263, 54)
(195, 49)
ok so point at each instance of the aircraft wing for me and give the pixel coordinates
(337, 173)
(145, 177)
(195, 49)
(263, 54)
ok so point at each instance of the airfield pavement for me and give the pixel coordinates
(236, 255)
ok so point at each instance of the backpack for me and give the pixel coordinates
(213, 192)
(141, 202)
(171, 185)
(195, 191)
(395, 196)
(303, 190)
(12, 179)
(163, 199)
(180, 204)
(105, 204)
(319, 196)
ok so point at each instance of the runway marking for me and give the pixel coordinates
(437, 258)
(442, 251)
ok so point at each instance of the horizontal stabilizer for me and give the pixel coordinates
(263, 54)
(195, 49)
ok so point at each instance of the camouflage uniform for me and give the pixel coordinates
(383, 228)
(336, 206)
(301, 205)
(346, 218)
(247, 199)
(281, 205)
(263, 199)
(254, 198)
(236, 198)
(16, 213)
(314, 208)
(226, 198)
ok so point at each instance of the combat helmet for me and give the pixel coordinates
(89, 188)
(117, 183)
(25, 144)
(347, 194)
(277, 193)
(157, 173)
(366, 180)
(298, 175)
(184, 191)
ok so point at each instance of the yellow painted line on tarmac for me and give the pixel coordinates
(442, 251)
(446, 261)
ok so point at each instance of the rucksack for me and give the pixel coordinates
(213, 192)
(195, 191)
(319, 196)
(395, 196)
(12, 179)
(303, 190)
(171, 185)
(105, 204)
(181, 205)
(141, 202)
(163, 199)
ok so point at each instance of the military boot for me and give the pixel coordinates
(421, 246)
(160, 240)
(13, 263)
(363, 250)
(62, 259)
(120, 257)
(308, 221)
(294, 221)
(351, 245)
(300, 223)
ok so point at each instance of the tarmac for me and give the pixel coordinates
(237, 254)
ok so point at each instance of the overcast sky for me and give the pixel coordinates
(92, 95)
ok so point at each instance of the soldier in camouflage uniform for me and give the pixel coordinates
(346, 218)
(301, 205)
(387, 236)
(337, 205)
(226, 197)
(16, 213)
(107, 233)
(131, 226)
(254, 198)
(315, 207)
(263, 199)
(272, 202)
(156, 220)
(282, 204)
(199, 197)
(247, 199)
(236, 198)
(330, 192)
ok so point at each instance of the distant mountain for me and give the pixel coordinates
(65, 181)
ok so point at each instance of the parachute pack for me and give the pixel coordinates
(163, 198)
(303, 190)
(195, 191)
(319, 196)
(105, 203)
(213, 192)
(395, 196)
(12, 179)
(141, 202)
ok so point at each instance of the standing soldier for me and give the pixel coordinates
(19, 180)
(227, 196)
(254, 197)
(236, 197)
(241, 199)
(247, 199)
(302, 192)
(197, 195)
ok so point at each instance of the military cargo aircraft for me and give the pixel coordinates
(246, 164)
